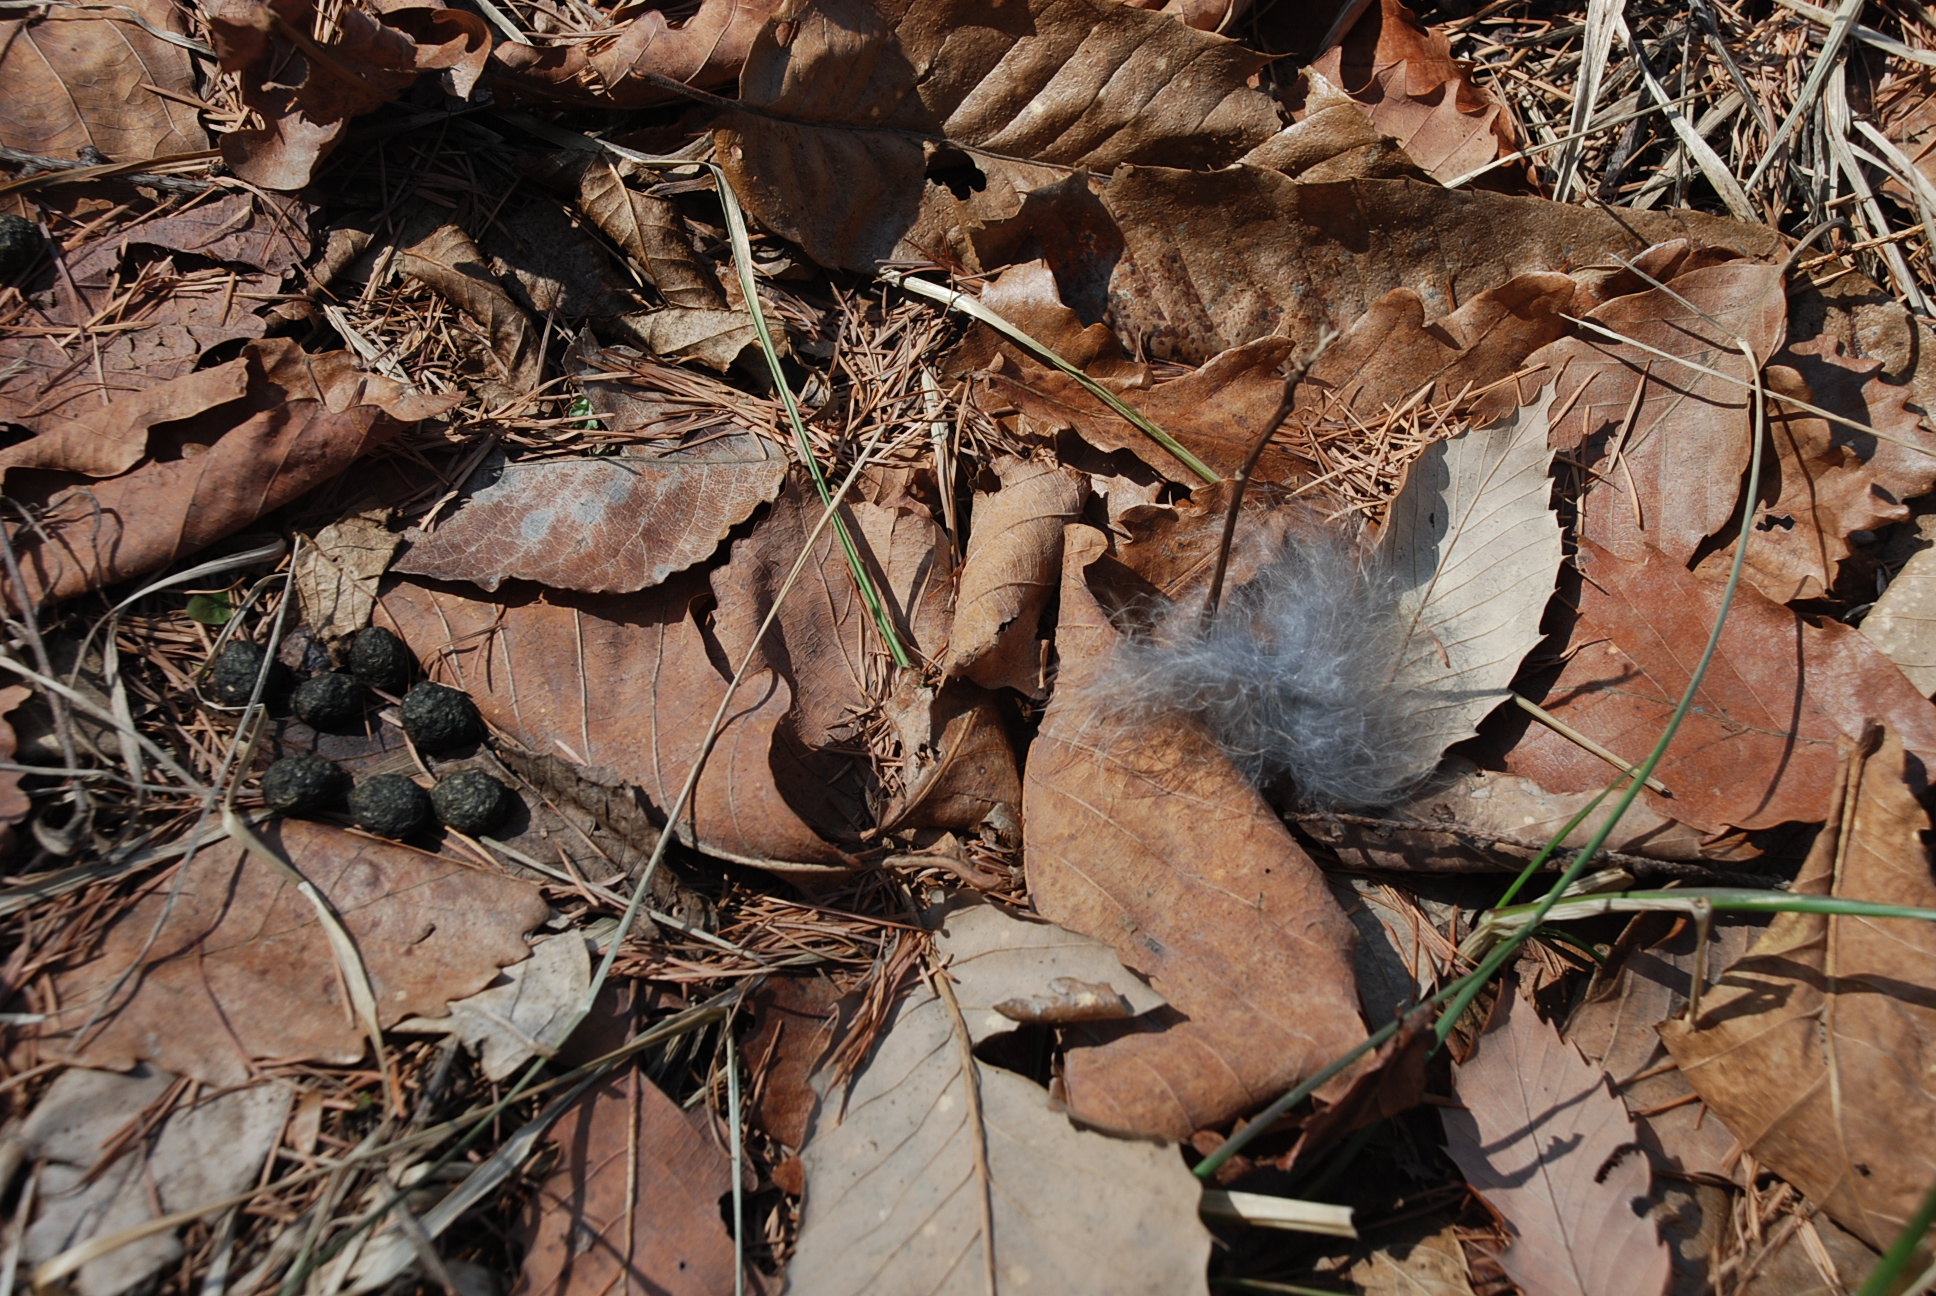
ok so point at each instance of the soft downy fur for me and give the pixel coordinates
(1294, 679)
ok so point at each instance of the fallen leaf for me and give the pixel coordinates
(1428, 1261)
(268, 232)
(1202, 261)
(1474, 549)
(238, 967)
(304, 419)
(1412, 89)
(1156, 845)
(1813, 1046)
(307, 91)
(625, 682)
(526, 1013)
(1833, 480)
(1668, 473)
(793, 1025)
(1392, 355)
(632, 1206)
(1903, 621)
(959, 769)
(649, 230)
(1013, 562)
(339, 570)
(713, 338)
(1389, 1084)
(1540, 1138)
(706, 49)
(199, 1153)
(1081, 84)
(108, 440)
(1332, 138)
(14, 805)
(1758, 747)
(449, 262)
(1614, 1027)
(893, 1199)
(76, 81)
(547, 257)
(824, 643)
(612, 523)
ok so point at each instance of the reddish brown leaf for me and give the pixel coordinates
(1758, 747)
(1014, 557)
(625, 682)
(239, 970)
(614, 523)
(707, 49)
(1832, 479)
(107, 440)
(648, 230)
(1815, 1048)
(1538, 1135)
(1668, 475)
(304, 419)
(632, 1206)
(793, 1024)
(1214, 259)
(307, 92)
(1070, 83)
(825, 644)
(1408, 83)
(1392, 1083)
(1153, 843)
(74, 79)
(958, 761)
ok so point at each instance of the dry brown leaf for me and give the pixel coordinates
(14, 804)
(824, 643)
(1832, 479)
(1013, 563)
(1668, 474)
(1391, 355)
(1332, 139)
(625, 682)
(894, 1194)
(74, 80)
(1758, 747)
(1903, 621)
(306, 92)
(304, 419)
(338, 571)
(267, 231)
(959, 769)
(449, 262)
(1614, 1025)
(1412, 89)
(1815, 1047)
(793, 1019)
(1063, 83)
(108, 440)
(1426, 1261)
(713, 338)
(1199, 262)
(632, 1206)
(1540, 1138)
(239, 968)
(616, 523)
(706, 49)
(648, 230)
(1154, 843)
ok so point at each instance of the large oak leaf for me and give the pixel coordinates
(1154, 843)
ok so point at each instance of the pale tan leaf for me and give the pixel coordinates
(1815, 1047)
(1903, 621)
(235, 963)
(1428, 1262)
(526, 1012)
(1475, 549)
(893, 1198)
(337, 572)
(617, 523)
(713, 338)
(1073, 83)
(1541, 1138)
(1014, 560)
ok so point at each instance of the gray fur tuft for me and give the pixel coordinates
(1294, 679)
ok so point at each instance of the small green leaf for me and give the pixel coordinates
(210, 609)
(582, 409)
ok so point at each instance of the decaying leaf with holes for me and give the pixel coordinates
(1815, 1047)
(238, 968)
(895, 1192)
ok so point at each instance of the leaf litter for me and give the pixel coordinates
(406, 349)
